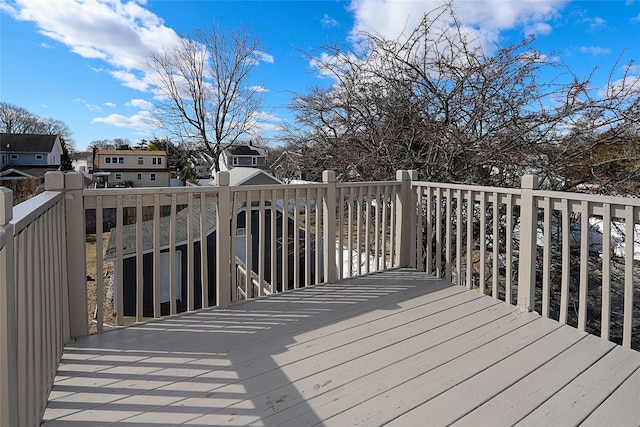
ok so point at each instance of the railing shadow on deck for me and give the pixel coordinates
(185, 365)
(568, 256)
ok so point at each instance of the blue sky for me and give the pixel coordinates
(83, 61)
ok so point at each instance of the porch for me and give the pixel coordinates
(323, 303)
(398, 347)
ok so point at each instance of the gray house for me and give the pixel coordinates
(129, 269)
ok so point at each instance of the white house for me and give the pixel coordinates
(130, 168)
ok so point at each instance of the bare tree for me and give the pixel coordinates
(436, 100)
(203, 83)
(14, 119)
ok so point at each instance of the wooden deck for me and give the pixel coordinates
(398, 348)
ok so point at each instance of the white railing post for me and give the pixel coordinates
(8, 318)
(329, 225)
(406, 220)
(223, 241)
(527, 253)
(76, 304)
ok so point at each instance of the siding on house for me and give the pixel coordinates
(130, 262)
(24, 150)
(135, 168)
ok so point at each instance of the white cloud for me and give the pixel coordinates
(595, 50)
(329, 22)
(265, 57)
(110, 104)
(141, 104)
(122, 33)
(140, 121)
(88, 105)
(265, 123)
(596, 23)
(539, 29)
(260, 89)
(485, 18)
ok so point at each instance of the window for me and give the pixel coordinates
(153, 160)
(153, 177)
(235, 161)
(139, 177)
(39, 157)
(107, 160)
(140, 160)
(121, 160)
(114, 160)
(14, 156)
(159, 160)
(118, 176)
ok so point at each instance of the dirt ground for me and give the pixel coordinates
(92, 281)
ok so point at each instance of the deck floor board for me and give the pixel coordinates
(398, 347)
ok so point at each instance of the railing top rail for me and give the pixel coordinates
(276, 187)
(367, 184)
(93, 192)
(26, 212)
(591, 198)
(466, 187)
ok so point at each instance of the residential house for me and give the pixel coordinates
(26, 156)
(201, 163)
(130, 262)
(82, 161)
(243, 155)
(244, 164)
(130, 168)
(288, 167)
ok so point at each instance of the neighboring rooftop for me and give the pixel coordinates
(27, 142)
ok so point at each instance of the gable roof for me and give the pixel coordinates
(14, 173)
(251, 176)
(27, 142)
(181, 232)
(28, 171)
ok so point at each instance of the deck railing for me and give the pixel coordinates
(162, 251)
(155, 262)
(34, 302)
(568, 256)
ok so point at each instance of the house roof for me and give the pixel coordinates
(251, 176)
(245, 150)
(181, 233)
(27, 142)
(27, 172)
